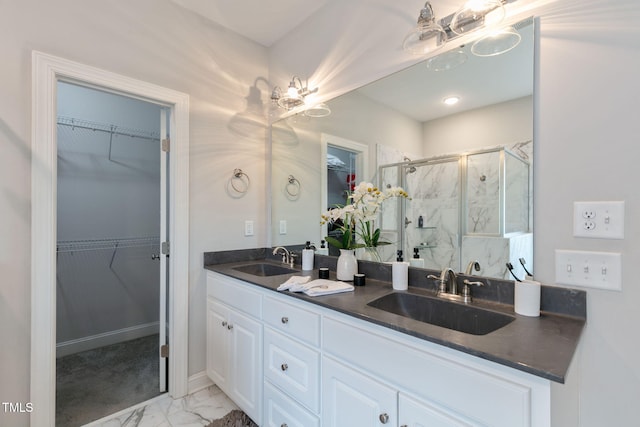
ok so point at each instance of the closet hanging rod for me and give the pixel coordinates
(108, 128)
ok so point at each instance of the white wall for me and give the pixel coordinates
(151, 40)
(501, 124)
(585, 131)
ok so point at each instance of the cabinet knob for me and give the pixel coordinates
(284, 425)
(224, 323)
(384, 418)
(284, 366)
(229, 326)
(285, 320)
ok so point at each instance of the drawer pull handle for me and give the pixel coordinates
(285, 320)
(224, 323)
(284, 367)
(229, 326)
(384, 418)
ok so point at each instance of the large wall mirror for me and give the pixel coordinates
(467, 166)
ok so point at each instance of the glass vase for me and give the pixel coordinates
(347, 265)
(370, 253)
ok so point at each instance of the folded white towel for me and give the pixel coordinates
(293, 280)
(326, 287)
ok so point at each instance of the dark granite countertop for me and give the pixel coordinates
(542, 346)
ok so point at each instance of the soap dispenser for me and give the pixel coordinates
(416, 261)
(322, 250)
(400, 274)
(307, 257)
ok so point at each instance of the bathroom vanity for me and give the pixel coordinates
(339, 360)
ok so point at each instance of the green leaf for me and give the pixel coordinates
(334, 242)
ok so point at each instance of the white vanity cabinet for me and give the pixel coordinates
(291, 362)
(234, 342)
(434, 385)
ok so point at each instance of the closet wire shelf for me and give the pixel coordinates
(109, 128)
(105, 244)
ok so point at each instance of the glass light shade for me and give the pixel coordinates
(475, 14)
(497, 42)
(289, 102)
(447, 60)
(424, 38)
(318, 110)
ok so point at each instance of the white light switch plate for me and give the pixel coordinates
(602, 220)
(283, 226)
(248, 228)
(601, 270)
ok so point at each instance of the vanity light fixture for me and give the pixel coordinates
(477, 13)
(427, 36)
(294, 97)
(496, 42)
(430, 35)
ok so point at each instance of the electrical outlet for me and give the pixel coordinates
(248, 228)
(601, 270)
(283, 226)
(602, 220)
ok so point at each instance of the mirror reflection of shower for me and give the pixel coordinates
(409, 168)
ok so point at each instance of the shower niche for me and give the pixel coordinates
(463, 207)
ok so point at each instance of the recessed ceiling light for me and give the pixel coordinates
(451, 100)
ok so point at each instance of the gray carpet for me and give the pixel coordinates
(96, 383)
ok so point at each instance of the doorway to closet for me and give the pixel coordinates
(110, 269)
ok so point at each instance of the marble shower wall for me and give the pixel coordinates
(435, 192)
(435, 196)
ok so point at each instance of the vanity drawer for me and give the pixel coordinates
(293, 367)
(280, 410)
(292, 320)
(234, 293)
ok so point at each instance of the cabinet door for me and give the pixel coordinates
(355, 400)
(415, 413)
(246, 364)
(280, 410)
(218, 336)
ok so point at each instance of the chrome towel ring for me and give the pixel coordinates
(293, 186)
(240, 181)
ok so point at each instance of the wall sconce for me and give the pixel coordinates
(294, 97)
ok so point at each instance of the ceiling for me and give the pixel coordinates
(263, 21)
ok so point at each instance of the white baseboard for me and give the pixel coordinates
(199, 382)
(112, 337)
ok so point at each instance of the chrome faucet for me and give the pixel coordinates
(473, 265)
(448, 276)
(287, 257)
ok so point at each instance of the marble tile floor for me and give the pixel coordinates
(195, 410)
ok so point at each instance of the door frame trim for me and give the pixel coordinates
(47, 70)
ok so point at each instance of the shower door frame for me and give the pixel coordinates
(47, 70)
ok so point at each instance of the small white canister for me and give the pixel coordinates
(527, 298)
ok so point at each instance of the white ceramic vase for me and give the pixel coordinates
(347, 265)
